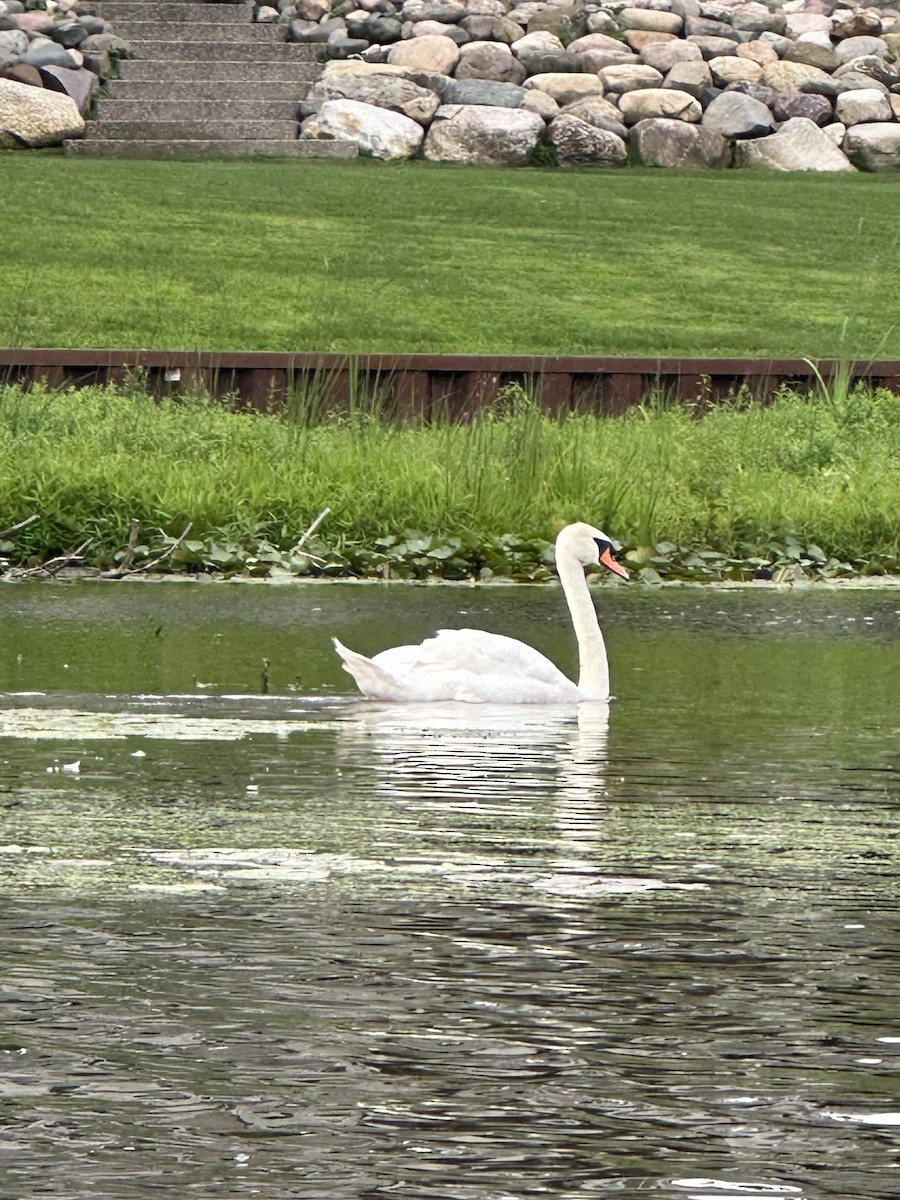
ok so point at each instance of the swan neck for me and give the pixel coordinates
(593, 667)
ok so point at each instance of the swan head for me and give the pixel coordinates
(589, 546)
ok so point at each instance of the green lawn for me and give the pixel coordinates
(365, 257)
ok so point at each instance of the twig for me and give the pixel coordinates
(312, 529)
(52, 565)
(21, 525)
(128, 556)
(165, 554)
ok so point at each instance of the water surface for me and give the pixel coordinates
(300, 945)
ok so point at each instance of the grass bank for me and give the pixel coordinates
(368, 257)
(743, 490)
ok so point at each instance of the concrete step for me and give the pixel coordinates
(195, 131)
(189, 109)
(120, 11)
(210, 149)
(148, 69)
(209, 52)
(137, 33)
(223, 91)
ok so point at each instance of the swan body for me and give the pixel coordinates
(479, 667)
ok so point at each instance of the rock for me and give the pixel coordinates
(429, 28)
(341, 46)
(494, 61)
(856, 47)
(377, 132)
(736, 115)
(854, 81)
(691, 77)
(470, 133)
(492, 29)
(434, 53)
(798, 23)
(599, 113)
(379, 89)
(32, 116)
(663, 56)
(566, 21)
(541, 103)
(835, 131)
(731, 69)
(813, 55)
(799, 145)
(22, 73)
(629, 78)
(80, 85)
(637, 39)
(15, 41)
(595, 41)
(758, 52)
(664, 143)
(596, 61)
(874, 147)
(374, 27)
(579, 144)
(875, 68)
(646, 103)
(650, 19)
(795, 77)
(704, 27)
(68, 33)
(785, 105)
(536, 50)
(757, 18)
(861, 106)
(865, 22)
(713, 47)
(448, 12)
(484, 91)
(564, 88)
(35, 22)
(49, 54)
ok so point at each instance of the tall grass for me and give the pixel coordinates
(733, 480)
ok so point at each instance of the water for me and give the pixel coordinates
(298, 945)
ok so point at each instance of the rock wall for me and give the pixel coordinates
(810, 85)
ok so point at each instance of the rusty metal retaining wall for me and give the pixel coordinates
(425, 385)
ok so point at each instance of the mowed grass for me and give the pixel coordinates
(366, 257)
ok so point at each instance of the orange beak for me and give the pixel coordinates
(610, 563)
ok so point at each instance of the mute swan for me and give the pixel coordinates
(480, 667)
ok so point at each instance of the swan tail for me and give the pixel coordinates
(371, 680)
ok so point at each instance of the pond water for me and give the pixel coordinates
(300, 945)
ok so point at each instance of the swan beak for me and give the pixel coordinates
(610, 563)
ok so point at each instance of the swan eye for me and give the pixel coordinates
(602, 545)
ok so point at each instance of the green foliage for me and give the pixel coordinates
(803, 483)
(363, 257)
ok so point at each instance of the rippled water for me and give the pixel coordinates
(298, 945)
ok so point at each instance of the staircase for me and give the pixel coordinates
(205, 82)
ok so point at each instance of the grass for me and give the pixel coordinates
(366, 257)
(813, 478)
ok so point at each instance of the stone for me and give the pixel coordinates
(541, 103)
(490, 60)
(599, 113)
(663, 56)
(646, 103)
(757, 18)
(68, 33)
(35, 22)
(377, 132)
(795, 77)
(342, 46)
(655, 21)
(813, 55)
(863, 105)
(799, 145)
(874, 147)
(596, 61)
(835, 131)
(736, 115)
(564, 88)
(637, 39)
(731, 69)
(434, 53)
(713, 47)
(13, 40)
(472, 133)
(579, 144)
(33, 116)
(312, 10)
(660, 142)
(446, 11)
(492, 29)
(785, 105)
(535, 50)
(565, 21)
(428, 28)
(484, 91)
(80, 85)
(49, 54)
(595, 41)
(704, 27)
(865, 22)
(798, 23)
(691, 77)
(779, 44)
(374, 27)
(875, 68)
(857, 47)
(629, 78)
(22, 73)
(852, 81)
(377, 88)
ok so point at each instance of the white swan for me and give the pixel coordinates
(480, 667)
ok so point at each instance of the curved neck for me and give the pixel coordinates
(593, 668)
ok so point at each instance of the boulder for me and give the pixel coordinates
(484, 91)
(565, 88)
(37, 21)
(374, 27)
(713, 47)
(50, 54)
(448, 12)
(863, 105)
(430, 28)
(596, 61)
(433, 53)
(707, 27)
(757, 18)
(856, 47)
(661, 142)
(870, 65)
(80, 85)
(785, 105)
(758, 52)
(472, 133)
(813, 54)
(579, 144)
(874, 147)
(22, 73)
(799, 145)
(377, 88)
(376, 132)
(565, 21)
(736, 115)
(865, 22)
(595, 41)
(663, 56)
(731, 69)
(637, 39)
(630, 78)
(796, 77)
(490, 60)
(484, 28)
(650, 20)
(31, 116)
(541, 51)
(646, 103)
(13, 41)
(798, 23)
(691, 77)
(599, 113)
(539, 102)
